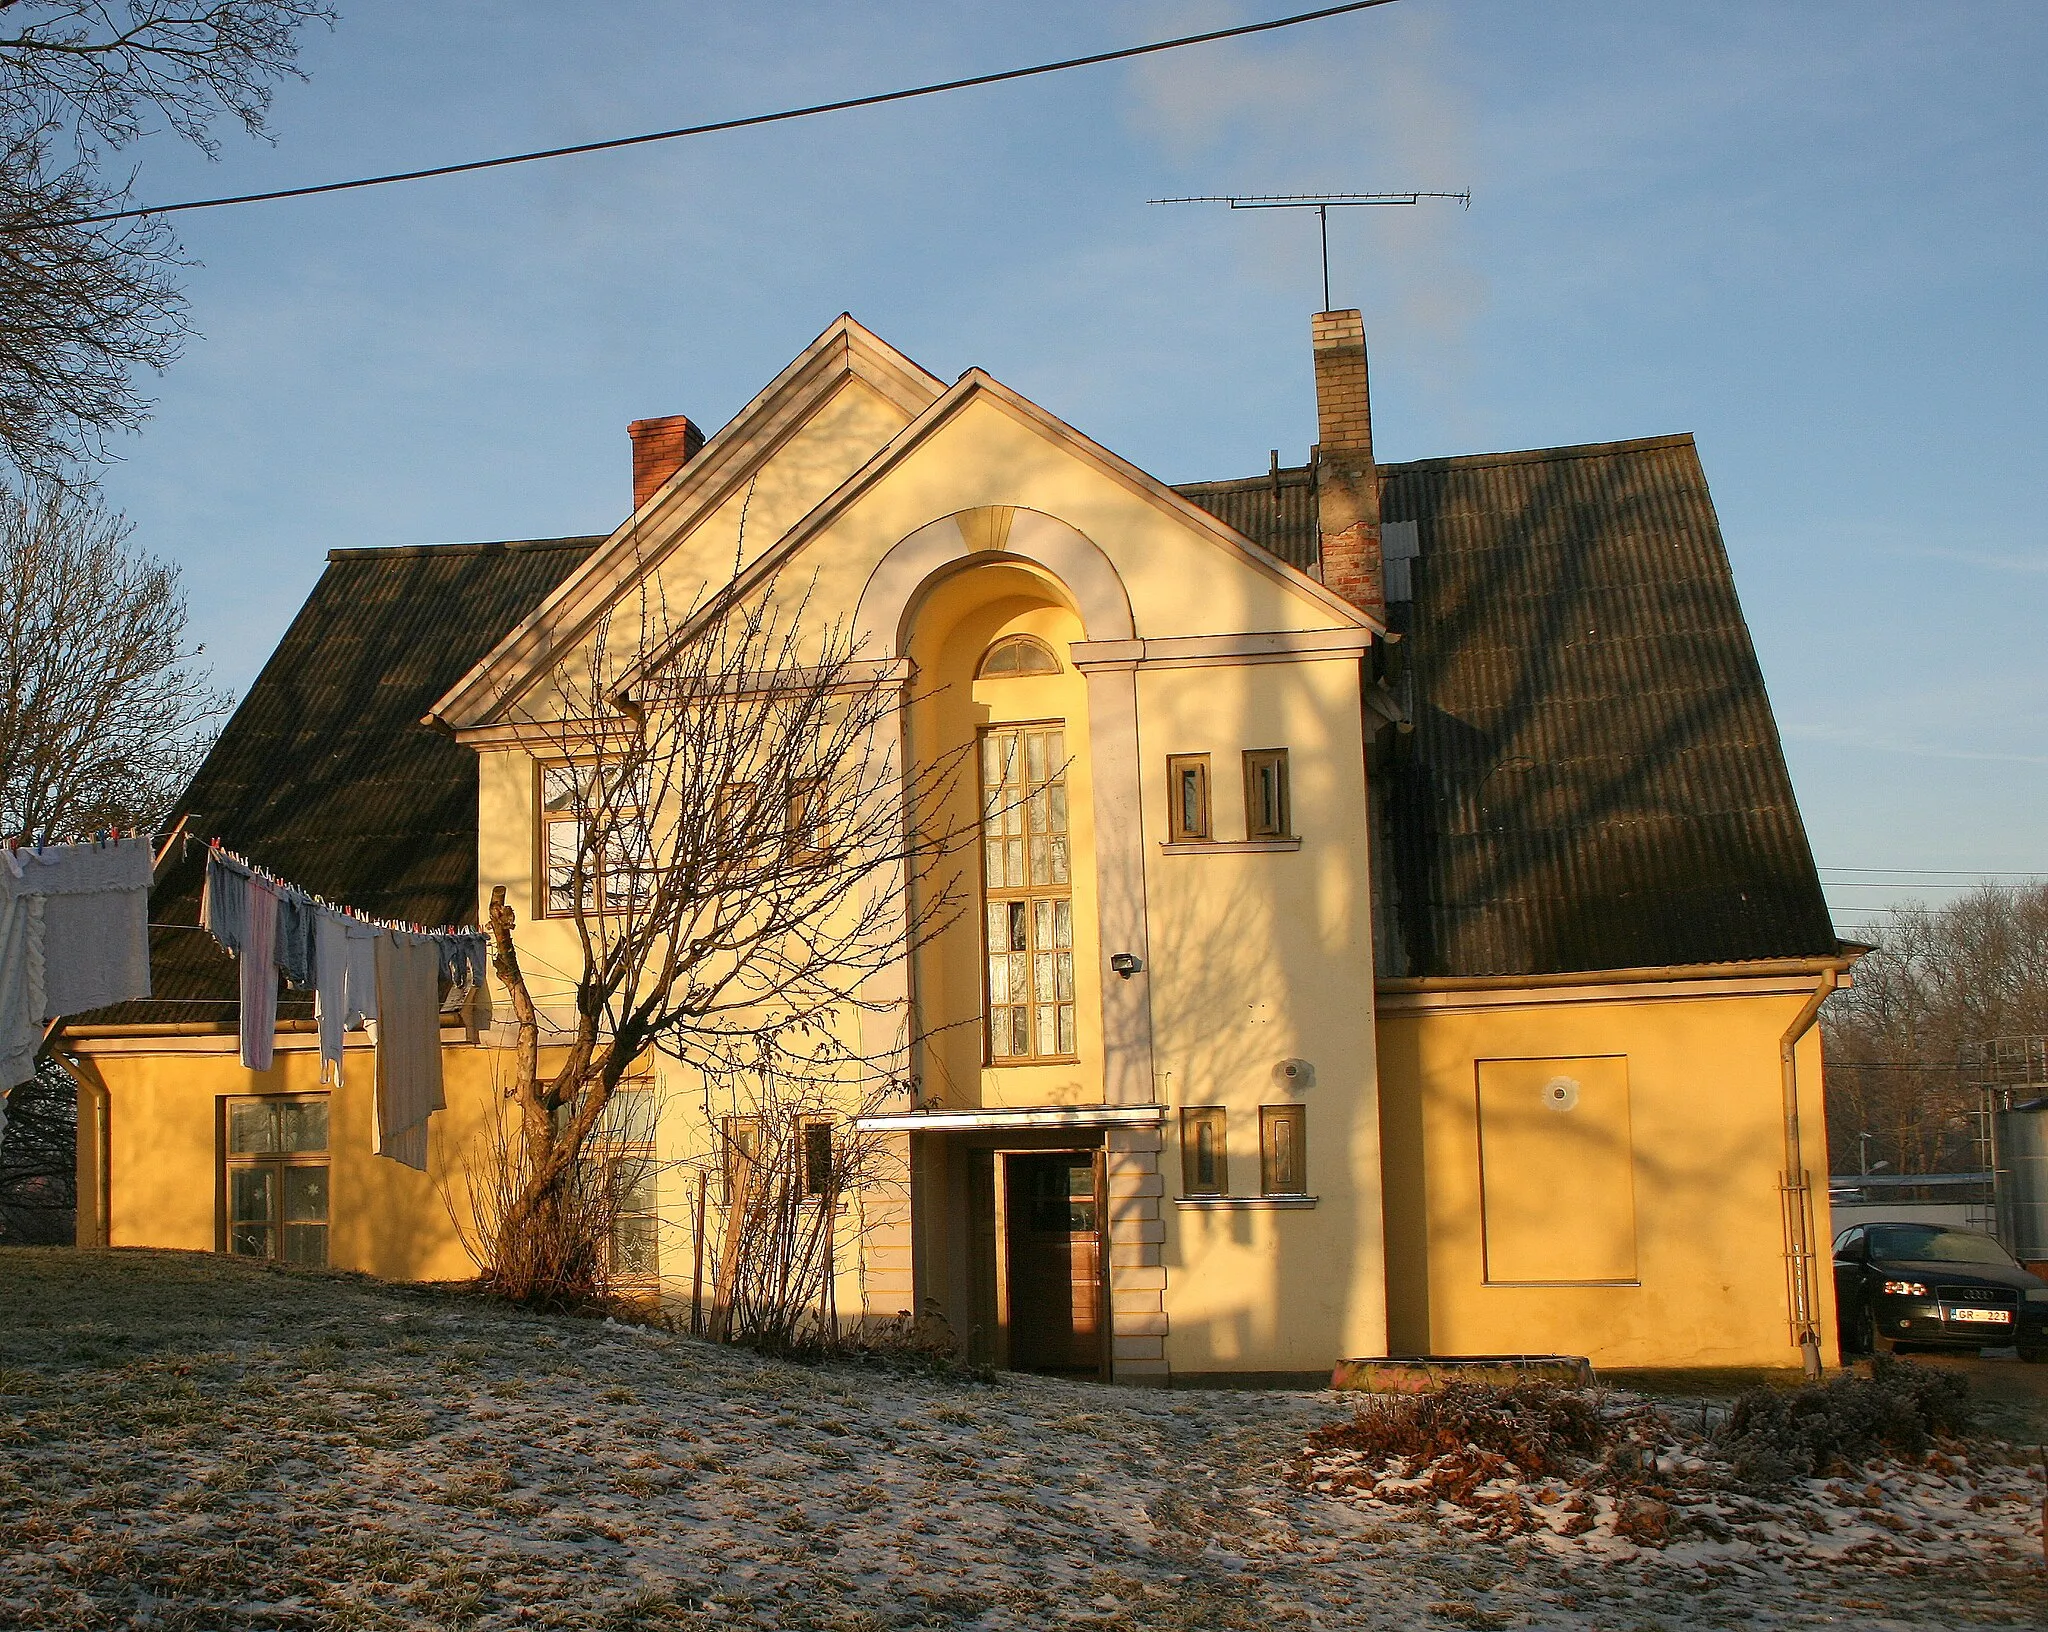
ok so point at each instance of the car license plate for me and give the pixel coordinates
(1987, 1317)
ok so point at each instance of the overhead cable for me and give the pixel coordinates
(1094, 59)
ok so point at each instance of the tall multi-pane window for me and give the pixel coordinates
(1029, 892)
(571, 796)
(276, 1177)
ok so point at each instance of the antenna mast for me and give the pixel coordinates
(1321, 203)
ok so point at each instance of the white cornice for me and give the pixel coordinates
(974, 384)
(724, 464)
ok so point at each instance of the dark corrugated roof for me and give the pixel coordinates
(325, 775)
(1594, 780)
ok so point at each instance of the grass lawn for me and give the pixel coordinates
(190, 1442)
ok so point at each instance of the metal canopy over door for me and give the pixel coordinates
(1054, 1286)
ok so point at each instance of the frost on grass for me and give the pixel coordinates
(1869, 1471)
(192, 1443)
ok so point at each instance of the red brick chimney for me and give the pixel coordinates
(1347, 480)
(661, 447)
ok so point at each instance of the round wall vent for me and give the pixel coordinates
(1295, 1074)
(1561, 1094)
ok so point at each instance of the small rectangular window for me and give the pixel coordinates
(739, 1150)
(1266, 809)
(1187, 784)
(804, 833)
(1204, 1158)
(815, 1152)
(276, 1178)
(1283, 1150)
(636, 1219)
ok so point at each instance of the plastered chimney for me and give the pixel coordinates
(1347, 480)
(661, 447)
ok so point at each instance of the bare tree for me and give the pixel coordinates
(103, 709)
(38, 1159)
(85, 304)
(1938, 980)
(745, 857)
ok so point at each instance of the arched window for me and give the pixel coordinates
(1017, 655)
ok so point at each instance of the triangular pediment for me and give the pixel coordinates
(1201, 538)
(846, 365)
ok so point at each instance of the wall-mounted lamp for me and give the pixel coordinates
(1126, 964)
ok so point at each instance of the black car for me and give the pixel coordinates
(1901, 1285)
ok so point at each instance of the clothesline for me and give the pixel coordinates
(253, 869)
(394, 978)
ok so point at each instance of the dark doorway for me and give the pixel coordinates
(1053, 1206)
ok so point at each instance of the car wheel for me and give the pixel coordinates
(1853, 1330)
(2035, 1357)
(1868, 1340)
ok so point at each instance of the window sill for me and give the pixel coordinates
(1210, 1203)
(1225, 847)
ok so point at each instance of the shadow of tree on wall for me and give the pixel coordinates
(1596, 780)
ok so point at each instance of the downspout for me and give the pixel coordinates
(1796, 1190)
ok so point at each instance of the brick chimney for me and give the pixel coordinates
(1347, 480)
(661, 447)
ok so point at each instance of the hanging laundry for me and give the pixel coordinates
(74, 936)
(259, 975)
(224, 901)
(296, 917)
(95, 924)
(408, 1045)
(21, 985)
(345, 987)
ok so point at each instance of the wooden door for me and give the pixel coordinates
(1053, 1211)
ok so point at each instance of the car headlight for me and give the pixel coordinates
(1913, 1289)
(2037, 1294)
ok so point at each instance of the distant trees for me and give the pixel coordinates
(1939, 980)
(84, 305)
(104, 714)
(103, 706)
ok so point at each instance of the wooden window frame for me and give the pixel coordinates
(803, 821)
(810, 1185)
(1021, 639)
(543, 822)
(1271, 1118)
(1256, 826)
(1029, 894)
(612, 1156)
(1193, 1119)
(276, 1162)
(1178, 767)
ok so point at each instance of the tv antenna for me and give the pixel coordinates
(1321, 203)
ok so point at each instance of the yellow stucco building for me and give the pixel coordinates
(1393, 933)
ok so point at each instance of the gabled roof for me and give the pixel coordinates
(325, 773)
(976, 385)
(1594, 779)
(846, 350)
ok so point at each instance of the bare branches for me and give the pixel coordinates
(746, 858)
(82, 309)
(1938, 980)
(102, 710)
(103, 67)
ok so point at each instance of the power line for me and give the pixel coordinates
(1932, 872)
(1094, 59)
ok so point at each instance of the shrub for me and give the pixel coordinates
(1775, 1436)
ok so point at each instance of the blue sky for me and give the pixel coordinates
(1812, 235)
